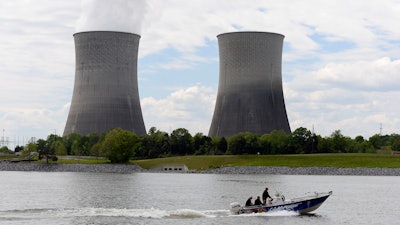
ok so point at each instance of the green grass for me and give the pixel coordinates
(209, 162)
(80, 161)
(65, 160)
(324, 160)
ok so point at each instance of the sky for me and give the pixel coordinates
(340, 62)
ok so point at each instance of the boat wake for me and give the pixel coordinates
(29, 214)
(109, 212)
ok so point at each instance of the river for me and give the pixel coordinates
(165, 198)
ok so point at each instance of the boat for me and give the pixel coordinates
(302, 205)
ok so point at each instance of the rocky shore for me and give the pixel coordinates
(306, 171)
(122, 168)
(90, 168)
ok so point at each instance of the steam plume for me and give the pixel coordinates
(112, 15)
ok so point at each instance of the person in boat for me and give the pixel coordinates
(265, 196)
(258, 201)
(248, 202)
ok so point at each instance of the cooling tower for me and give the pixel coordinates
(105, 92)
(250, 95)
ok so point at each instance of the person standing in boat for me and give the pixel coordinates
(258, 201)
(248, 202)
(265, 196)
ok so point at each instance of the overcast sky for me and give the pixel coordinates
(341, 60)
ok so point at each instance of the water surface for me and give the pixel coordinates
(162, 198)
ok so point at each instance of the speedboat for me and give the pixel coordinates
(303, 205)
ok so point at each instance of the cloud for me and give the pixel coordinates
(354, 96)
(188, 107)
(22, 124)
(379, 75)
(186, 25)
(36, 67)
(340, 64)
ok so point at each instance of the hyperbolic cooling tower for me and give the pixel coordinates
(106, 92)
(250, 95)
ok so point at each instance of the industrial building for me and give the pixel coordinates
(250, 95)
(105, 94)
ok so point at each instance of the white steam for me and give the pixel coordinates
(112, 15)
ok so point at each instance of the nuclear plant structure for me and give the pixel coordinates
(105, 94)
(250, 94)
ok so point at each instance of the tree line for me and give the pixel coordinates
(120, 145)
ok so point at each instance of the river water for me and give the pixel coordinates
(164, 198)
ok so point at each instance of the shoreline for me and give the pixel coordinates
(285, 170)
(132, 168)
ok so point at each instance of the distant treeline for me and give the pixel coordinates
(121, 145)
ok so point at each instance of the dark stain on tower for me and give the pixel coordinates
(106, 94)
(250, 95)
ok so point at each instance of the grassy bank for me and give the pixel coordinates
(209, 162)
(324, 160)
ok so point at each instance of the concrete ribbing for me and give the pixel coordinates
(250, 95)
(105, 92)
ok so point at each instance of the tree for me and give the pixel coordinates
(153, 145)
(5, 149)
(243, 143)
(30, 147)
(181, 142)
(324, 145)
(382, 141)
(71, 143)
(83, 146)
(222, 145)
(252, 143)
(98, 150)
(338, 142)
(44, 149)
(95, 144)
(119, 145)
(315, 139)
(265, 144)
(359, 139)
(201, 144)
(18, 148)
(198, 141)
(94, 138)
(59, 148)
(278, 140)
(75, 148)
(300, 141)
(237, 144)
(152, 130)
(396, 143)
(361, 147)
(54, 143)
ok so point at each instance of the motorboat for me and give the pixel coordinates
(302, 205)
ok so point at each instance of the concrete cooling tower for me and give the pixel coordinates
(250, 95)
(105, 92)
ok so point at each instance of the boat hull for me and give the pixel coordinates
(302, 205)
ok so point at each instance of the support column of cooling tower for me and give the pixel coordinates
(250, 95)
(105, 92)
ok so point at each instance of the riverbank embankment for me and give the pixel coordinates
(89, 168)
(132, 168)
(284, 170)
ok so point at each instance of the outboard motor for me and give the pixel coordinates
(235, 207)
(279, 197)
